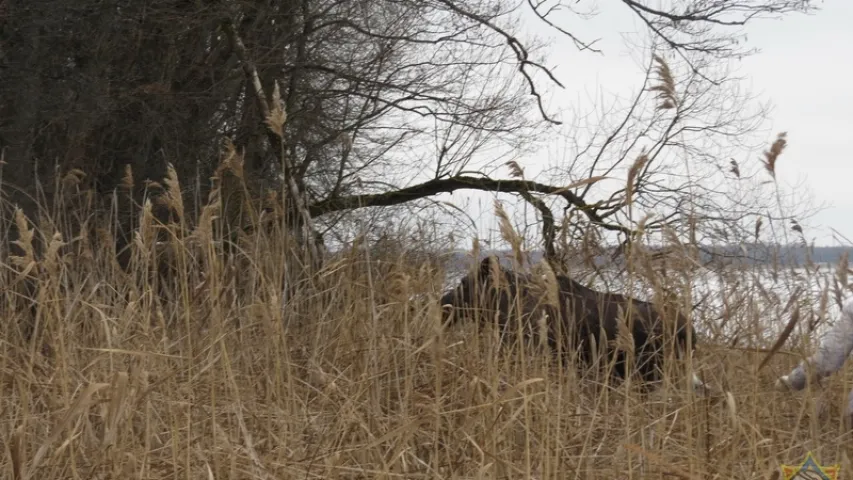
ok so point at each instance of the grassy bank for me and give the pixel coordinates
(198, 371)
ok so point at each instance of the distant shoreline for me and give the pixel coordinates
(733, 255)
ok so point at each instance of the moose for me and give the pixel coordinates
(576, 320)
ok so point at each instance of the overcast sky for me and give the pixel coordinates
(804, 69)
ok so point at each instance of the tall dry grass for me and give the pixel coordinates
(198, 371)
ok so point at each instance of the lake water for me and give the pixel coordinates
(745, 302)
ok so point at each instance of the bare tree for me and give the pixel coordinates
(345, 105)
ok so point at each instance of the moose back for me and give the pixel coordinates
(577, 320)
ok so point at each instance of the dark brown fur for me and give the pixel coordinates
(581, 315)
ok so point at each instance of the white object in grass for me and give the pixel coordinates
(834, 348)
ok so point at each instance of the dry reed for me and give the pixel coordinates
(202, 373)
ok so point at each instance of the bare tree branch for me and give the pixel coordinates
(549, 230)
(451, 184)
(520, 52)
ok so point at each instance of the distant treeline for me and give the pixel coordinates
(752, 254)
(744, 254)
